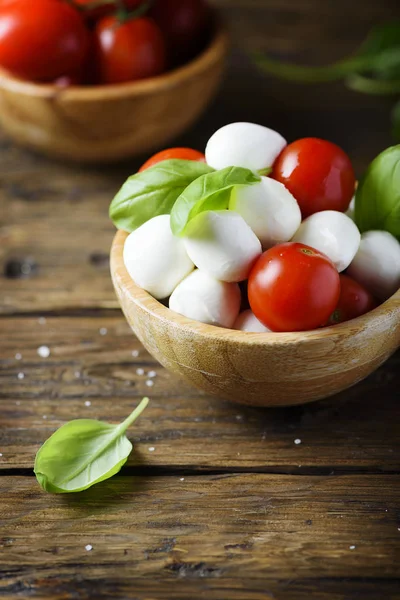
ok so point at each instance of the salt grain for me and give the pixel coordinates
(21, 375)
(77, 374)
(297, 441)
(149, 383)
(44, 417)
(43, 351)
(103, 330)
(42, 321)
(88, 403)
(352, 547)
(18, 356)
(18, 403)
(88, 547)
(139, 371)
(239, 417)
(1, 454)
(151, 449)
(151, 374)
(135, 353)
(182, 479)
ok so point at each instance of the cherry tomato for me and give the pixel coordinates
(354, 301)
(128, 51)
(41, 40)
(181, 153)
(184, 24)
(293, 287)
(93, 12)
(318, 174)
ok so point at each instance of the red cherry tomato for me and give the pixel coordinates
(293, 287)
(354, 301)
(41, 40)
(128, 51)
(93, 12)
(318, 174)
(184, 24)
(181, 153)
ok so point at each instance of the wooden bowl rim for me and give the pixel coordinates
(143, 299)
(214, 52)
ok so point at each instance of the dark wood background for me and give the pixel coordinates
(226, 506)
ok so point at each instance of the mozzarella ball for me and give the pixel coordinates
(270, 210)
(377, 264)
(222, 244)
(247, 321)
(332, 233)
(202, 298)
(155, 259)
(244, 145)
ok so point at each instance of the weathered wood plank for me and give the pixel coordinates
(239, 536)
(356, 429)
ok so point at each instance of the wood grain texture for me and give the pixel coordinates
(109, 123)
(239, 536)
(251, 523)
(355, 430)
(269, 369)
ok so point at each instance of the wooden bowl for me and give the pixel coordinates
(112, 122)
(260, 369)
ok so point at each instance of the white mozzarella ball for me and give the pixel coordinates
(155, 259)
(270, 210)
(247, 321)
(202, 298)
(332, 233)
(244, 145)
(222, 244)
(377, 264)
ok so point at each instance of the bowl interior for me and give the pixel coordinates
(160, 311)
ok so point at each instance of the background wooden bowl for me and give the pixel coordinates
(108, 123)
(260, 369)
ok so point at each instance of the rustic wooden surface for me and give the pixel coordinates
(226, 506)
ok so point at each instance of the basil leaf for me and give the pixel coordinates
(83, 452)
(209, 192)
(378, 55)
(381, 39)
(153, 192)
(377, 203)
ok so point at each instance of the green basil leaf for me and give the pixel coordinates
(378, 55)
(209, 192)
(83, 452)
(153, 192)
(377, 203)
(381, 38)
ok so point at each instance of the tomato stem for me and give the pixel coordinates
(123, 14)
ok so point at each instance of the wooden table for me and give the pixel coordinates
(217, 501)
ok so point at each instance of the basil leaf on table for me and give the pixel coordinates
(153, 192)
(377, 202)
(209, 192)
(84, 452)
